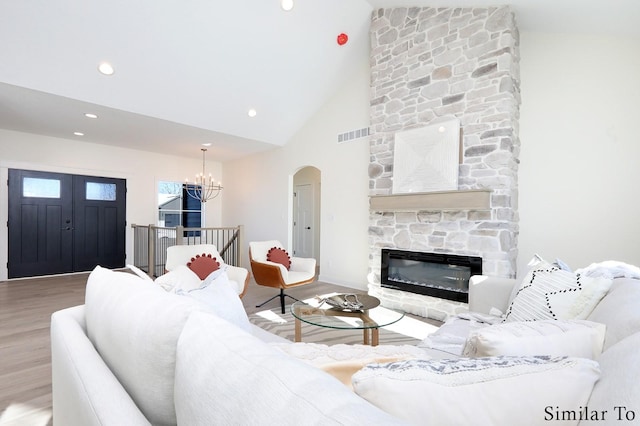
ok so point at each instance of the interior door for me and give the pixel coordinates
(60, 223)
(40, 223)
(303, 223)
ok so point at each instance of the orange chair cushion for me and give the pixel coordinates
(203, 265)
(278, 255)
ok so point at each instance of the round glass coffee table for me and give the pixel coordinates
(324, 315)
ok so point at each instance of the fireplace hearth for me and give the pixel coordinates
(445, 276)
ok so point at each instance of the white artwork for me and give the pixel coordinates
(426, 159)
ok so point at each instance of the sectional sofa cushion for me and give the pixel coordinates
(618, 311)
(619, 385)
(477, 391)
(579, 338)
(134, 325)
(226, 376)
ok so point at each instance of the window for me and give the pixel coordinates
(100, 191)
(40, 188)
(176, 208)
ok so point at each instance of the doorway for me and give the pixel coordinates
(306, 213)
(60, 223)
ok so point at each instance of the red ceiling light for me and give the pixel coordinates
(342, 39)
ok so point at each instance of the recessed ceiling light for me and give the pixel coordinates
(90, 115)
(252, 112)
(78, 133)
(286, 4)
(206, 144)
(106, 68)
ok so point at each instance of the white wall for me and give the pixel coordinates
(142, 170)
(577, 180)
(580, 167)
(258, 188)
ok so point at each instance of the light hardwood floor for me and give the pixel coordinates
(25, 317)
(25, 346)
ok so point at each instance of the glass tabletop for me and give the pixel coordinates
(323, 315)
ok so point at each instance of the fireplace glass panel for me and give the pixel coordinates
(445, 276)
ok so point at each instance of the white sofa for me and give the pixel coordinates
(615, 398)
(137, 355)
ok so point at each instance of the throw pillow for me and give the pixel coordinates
(220, 296)
(279, 255)
(430, 392)
(181, 278)
(135, 327)
(551, 293)
(224, 376)
(203, 265)
(576, 338)
(537, 262)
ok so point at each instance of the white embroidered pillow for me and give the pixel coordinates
(578, 338)
(550, 293)
(477, 391)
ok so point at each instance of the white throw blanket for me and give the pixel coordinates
(452, 335)
(610, 269)
(318, 354)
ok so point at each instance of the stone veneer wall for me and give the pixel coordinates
(429, 65)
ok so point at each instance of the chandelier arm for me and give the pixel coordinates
(202, 190)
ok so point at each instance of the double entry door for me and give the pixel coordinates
(60, 223)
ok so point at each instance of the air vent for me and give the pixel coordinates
(353, 134)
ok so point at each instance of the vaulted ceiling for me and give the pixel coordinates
(187, 72)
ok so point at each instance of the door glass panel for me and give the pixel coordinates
(101, 191)
(40, 188)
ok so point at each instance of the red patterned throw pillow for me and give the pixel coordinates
(278, 255)
(203, 265)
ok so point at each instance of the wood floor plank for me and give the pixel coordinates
(25, 345)
(25, 318)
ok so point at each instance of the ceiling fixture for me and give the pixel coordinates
(286, 4)
(90, 115)
(106, 68)
(205, 187)
(252, 112)
(78, 133)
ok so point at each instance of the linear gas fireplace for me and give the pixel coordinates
(445, 276)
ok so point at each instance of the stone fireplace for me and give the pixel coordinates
(429, 65)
